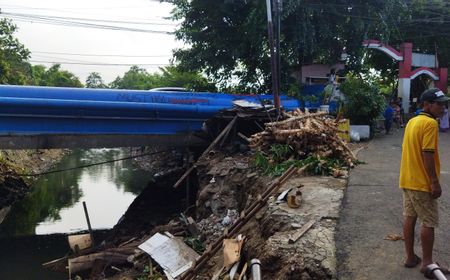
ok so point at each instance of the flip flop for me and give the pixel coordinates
(444, 270)
(414, 263)
(428, 273)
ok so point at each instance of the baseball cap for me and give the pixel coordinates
(433, 95)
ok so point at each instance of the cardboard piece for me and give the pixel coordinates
(232, 251)
(79, 242)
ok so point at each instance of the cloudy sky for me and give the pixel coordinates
(104, 36)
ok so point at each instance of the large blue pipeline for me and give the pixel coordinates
(67, 111)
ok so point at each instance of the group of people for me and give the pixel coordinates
(419, 177)
(394, 115)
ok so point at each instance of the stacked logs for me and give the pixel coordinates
(309, 134)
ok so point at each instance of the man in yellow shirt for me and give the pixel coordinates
(419, 176)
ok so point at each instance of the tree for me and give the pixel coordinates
(171, 76)
(14, 68)
(136, 78)
(55, 77)
(423, 23)
(228, 39)
(94, 80)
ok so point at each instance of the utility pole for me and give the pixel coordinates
(273, 57)
(278, 8)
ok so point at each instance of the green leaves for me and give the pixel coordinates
(56, 77)
(364, 102)
(13, 55)
(94, 80)
(281, 157)
(171, 76)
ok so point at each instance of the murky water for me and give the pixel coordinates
(55, 206)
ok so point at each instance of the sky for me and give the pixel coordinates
(62, 31)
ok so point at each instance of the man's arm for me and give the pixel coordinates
(428, 161)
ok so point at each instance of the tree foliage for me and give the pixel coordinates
(55, 77)
(170, 76)
(13, 56)
(228, 38)
(94, 80)
(363, 103)
(16, 70)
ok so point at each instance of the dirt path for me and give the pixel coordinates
(372, 209)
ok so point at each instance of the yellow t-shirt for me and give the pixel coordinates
(421, 135)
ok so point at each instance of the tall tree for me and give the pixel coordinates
(228, 39)
(55, 77)
(170, 76)
(14, 68)
(94, 80)
(423, 23)
(173, 76)
(136, 78)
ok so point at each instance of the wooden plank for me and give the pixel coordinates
(214, 143)
(299, 233)
(244, 270)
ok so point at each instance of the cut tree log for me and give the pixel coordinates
(114, 256)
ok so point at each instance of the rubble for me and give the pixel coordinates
(292, 237)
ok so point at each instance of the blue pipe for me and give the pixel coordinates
(139, 96)
(46, 110)
(58, 107)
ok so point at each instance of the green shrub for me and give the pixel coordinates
(364, 102)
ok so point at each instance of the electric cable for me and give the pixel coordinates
(81, 166)
(100, 64)
(96, 55)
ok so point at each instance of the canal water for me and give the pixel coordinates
(31, 234)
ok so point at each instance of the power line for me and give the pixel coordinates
(82, 166)
(85, 19)
(157, 18)
(96, 55)
(72, 61)
(71, 23)
(99, 64)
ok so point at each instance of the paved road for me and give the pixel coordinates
(372, 209)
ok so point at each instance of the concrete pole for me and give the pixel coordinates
(404, 80)
(442, 82)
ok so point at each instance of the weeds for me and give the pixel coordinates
(281, 157)
(195, 244)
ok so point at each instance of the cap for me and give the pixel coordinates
(433, 95)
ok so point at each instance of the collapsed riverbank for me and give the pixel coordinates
(291, 241)
(16, 163)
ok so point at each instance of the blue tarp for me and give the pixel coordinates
(315, 91)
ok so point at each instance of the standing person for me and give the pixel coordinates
(419, 177)
(398, 115)
(443, 122)
(388, 117)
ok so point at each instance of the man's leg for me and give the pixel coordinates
(427, 238)
(408, 234)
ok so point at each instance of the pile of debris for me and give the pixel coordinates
(305, 135)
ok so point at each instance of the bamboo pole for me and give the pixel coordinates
(214, 143)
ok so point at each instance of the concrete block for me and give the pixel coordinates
(363, 130)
